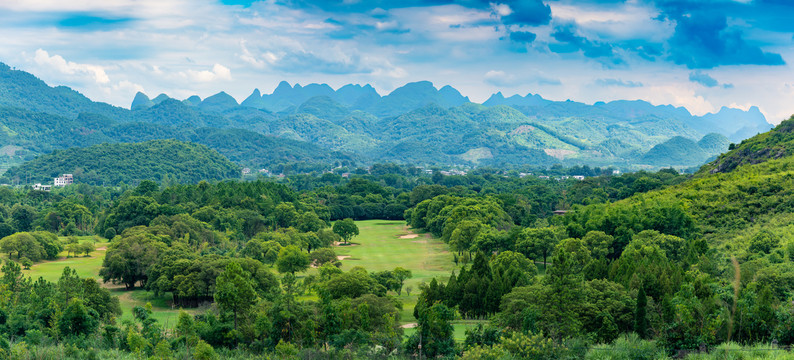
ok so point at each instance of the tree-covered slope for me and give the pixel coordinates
(38, 132)
(111, 164)
(774, 144)
(23, 90)
(676, 151)
(746, 191)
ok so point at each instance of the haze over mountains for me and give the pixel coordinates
(315, 126)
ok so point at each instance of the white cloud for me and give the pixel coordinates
(250, 58)
(500, 78)
(58, 63)
(218, 72)
(127, 86)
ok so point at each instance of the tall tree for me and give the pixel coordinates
(640, 318)
(234, 290)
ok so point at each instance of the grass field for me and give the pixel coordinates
(88, 267)
(384, 245)
(381, 245)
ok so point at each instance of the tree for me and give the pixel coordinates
(640, 319)
(77, 319)
(285, 215)
(463, 236)
(129, 258)
(435, 332)
(323, 256)
(26, 263)
(564, 282)
(23, 216)
(310, 222)
(234, 290)
(291, 260)
(346, 229)
(402, 274)
(764, 242)
(537, 243)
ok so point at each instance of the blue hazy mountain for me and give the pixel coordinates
(417, 123)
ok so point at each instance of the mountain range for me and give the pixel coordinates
(315, 126)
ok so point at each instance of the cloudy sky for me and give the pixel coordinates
(701, 54)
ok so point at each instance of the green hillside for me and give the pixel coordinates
(112, 164)
(677, 151)
(685, 152)
(775, 144)
(23, 90)
(714, 143)
(746, 191)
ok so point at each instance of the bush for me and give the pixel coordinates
(627, 347)
(204, 351)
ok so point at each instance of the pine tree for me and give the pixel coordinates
(640, 320)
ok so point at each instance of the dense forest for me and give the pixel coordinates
(168, 161)
(645, 265)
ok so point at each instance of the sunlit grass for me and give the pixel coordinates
(379, 246)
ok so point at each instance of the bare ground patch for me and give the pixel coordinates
(408, 326)
(409, 236)
(342, 257)
(337, 243)
(559, 153)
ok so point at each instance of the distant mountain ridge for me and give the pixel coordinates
(735, 124)
(417, 123)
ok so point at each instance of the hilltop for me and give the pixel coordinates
(112, 164)
(422, 124)
(315, 127)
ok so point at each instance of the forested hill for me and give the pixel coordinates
(112, 164)
(774, 144)
(745, 196)
(23, 90)
(417, 123)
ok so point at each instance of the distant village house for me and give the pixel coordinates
(63, 180)
(41, 187)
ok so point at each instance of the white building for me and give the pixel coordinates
(41, 187)
(65, 179)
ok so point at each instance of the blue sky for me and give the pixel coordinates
(701, 54)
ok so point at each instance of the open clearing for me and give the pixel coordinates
(381, 245)
(88, 267)
(384, 245)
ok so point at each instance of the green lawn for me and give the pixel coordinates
(384, 245)
(379, 246)
(86, 266)
(89, 267)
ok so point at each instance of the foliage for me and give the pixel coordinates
(113, 164)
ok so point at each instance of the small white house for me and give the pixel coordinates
(63, 180)
(41, 187)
